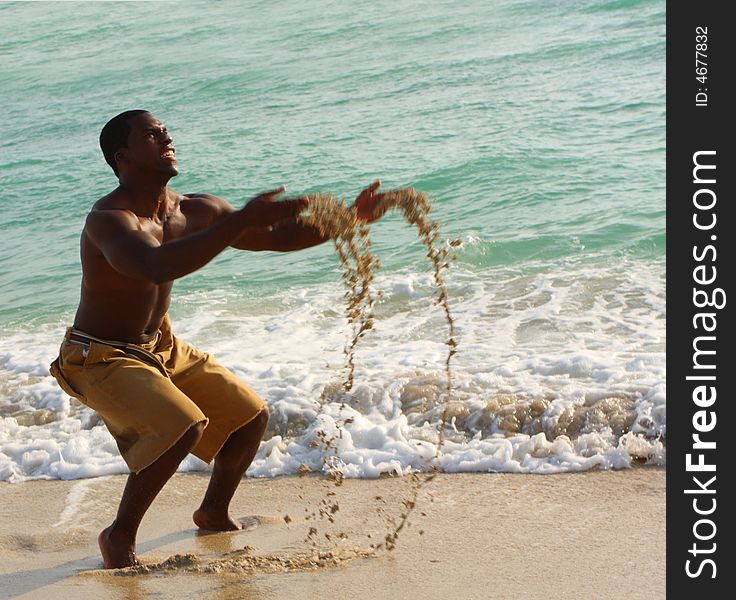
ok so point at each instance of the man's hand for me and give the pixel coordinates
(366, 204)
(264, 210)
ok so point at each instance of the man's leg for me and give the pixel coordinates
(117, 542)
(231, 463)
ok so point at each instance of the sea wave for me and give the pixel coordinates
(558, 370)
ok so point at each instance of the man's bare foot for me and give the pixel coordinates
(210, 521)
(117, 551)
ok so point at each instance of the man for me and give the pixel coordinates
(160, 397)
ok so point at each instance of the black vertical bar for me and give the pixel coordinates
(701, 254)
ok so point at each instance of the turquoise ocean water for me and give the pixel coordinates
(538, 128)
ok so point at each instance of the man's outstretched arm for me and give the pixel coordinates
(135, 253)
(292, 234)
(285, 237)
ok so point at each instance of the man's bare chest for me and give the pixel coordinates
(171, 227)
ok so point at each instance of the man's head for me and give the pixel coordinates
(135, 139)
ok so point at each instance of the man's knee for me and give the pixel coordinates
(253, 428)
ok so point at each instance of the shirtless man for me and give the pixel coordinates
(160, 397)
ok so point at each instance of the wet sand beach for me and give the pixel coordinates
(587, 535)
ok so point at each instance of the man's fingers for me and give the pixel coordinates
(371, 188)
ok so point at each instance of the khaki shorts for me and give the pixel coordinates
(150, 395)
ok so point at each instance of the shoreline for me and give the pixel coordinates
(595, 534)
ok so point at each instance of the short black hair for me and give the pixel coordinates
(114, 135)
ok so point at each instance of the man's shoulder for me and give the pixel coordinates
(202, 199)
(111, 211)
(204, 203)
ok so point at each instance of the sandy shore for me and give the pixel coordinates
(590, 535)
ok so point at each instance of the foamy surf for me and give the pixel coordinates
(558, 371)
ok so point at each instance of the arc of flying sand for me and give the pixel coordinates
(334, 219)
(416, 206)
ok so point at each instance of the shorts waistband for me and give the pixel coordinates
(75, 336)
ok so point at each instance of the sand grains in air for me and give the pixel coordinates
(333, 218)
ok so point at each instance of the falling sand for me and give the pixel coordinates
(334, 219)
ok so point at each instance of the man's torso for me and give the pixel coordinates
(115, 306)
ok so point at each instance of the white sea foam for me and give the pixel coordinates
(557, 371)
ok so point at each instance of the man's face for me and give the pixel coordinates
(150, 147)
